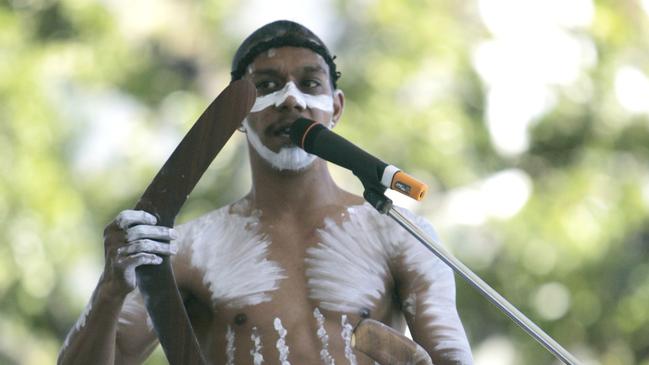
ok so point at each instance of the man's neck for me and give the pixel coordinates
(280, 193)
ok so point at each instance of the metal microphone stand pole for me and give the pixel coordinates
(375, 196)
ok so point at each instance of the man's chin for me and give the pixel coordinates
(290, 159)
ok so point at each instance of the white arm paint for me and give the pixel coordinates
(435, 306)
(79, 324)
(133, 310)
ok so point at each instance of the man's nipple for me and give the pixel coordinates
(240, 319)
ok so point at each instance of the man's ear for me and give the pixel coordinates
(339, 105)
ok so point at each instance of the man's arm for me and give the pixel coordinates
(426, 287)
(113, 328)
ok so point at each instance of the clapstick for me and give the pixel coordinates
(387, 346)
(164, 197)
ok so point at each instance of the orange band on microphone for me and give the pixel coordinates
(306, 133)
(408, 185)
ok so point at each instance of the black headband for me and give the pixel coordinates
(288, 40)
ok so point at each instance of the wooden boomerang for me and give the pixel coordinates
(387, 346)
(166, 195)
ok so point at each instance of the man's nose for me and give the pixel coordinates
(292, 102)
(293, 98)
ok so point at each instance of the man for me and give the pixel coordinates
(283, 275)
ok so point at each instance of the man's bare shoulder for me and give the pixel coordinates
(199, 236)
(213, 219)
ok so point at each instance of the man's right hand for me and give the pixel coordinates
(131, 240)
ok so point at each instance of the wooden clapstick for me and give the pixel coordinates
(387, 346)
(166, 195)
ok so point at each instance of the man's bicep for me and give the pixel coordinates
(136, 338)
(426, 287)
(428, 303)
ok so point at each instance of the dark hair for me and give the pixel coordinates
(281, 33)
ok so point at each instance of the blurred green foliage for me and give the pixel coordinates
(95, 95)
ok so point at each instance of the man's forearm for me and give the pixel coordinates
(92, 339)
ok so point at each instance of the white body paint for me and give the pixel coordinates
(257, 357)
(232, 253)
(288, 158)
(323, 102)
(325, 356)
(346, 334)
(79, 324)
(436, 306)
(133, 310)
(347, 270)
(229, 346)
(282, 348)
(410, 304)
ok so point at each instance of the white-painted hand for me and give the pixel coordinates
(132, 240)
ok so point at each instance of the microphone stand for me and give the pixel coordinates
(374, 194)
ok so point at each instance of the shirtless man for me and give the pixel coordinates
(284, 274)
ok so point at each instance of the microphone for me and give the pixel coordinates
(318, 140)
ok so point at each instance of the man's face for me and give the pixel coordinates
(291, 82)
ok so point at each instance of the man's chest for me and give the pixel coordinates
(262, 286)
(339, 267)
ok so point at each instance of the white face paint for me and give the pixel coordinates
(323, 102)
(288, 158)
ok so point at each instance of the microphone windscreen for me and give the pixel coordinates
(299, 130)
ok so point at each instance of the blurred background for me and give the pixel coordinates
(529, 119)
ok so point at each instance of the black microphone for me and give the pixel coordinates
(318, 140)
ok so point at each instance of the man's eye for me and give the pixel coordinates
(311, 84)
(266, 85)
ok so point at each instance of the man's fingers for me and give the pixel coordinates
(138, 259)
(129, 218)
(148, 246)
(150, 232)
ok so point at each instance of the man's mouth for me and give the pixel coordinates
(282, 131)
(286, 130)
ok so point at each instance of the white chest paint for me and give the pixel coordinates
(348, 270)
(232, 254)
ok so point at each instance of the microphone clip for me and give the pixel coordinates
(375, 195)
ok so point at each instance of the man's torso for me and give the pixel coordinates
(273, 291)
